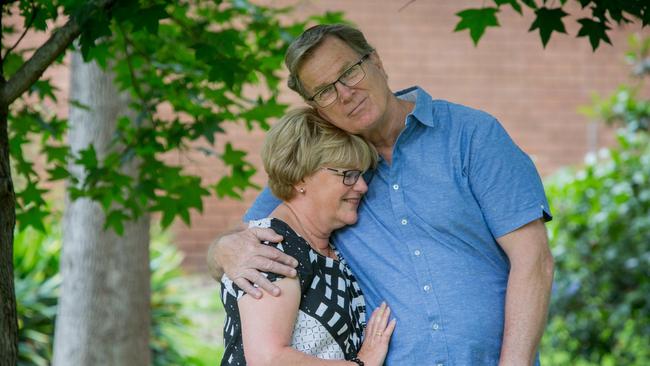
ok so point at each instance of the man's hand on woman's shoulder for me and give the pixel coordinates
(242, 256)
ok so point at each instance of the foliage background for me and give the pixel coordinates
(184, 311)
(603, 338)
(600, 313)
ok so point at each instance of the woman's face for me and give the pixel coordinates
(336, 204)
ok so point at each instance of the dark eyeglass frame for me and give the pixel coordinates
(333, 85)
(351, 176)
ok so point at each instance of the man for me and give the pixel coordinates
(450, 233)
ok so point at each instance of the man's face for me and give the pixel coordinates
(358, 109)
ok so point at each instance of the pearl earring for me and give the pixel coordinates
(302, 190)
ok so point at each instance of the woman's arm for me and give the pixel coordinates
(268, 323)
(267, 327)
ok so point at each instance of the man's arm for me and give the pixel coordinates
(241, 256)
(528, 292)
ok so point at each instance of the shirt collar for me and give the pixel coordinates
(423, 111)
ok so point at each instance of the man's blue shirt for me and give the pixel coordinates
(425, 238)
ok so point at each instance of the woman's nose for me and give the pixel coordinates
(360, 185)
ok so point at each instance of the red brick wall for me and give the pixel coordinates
(533, 91)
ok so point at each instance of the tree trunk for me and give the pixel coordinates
(8, 317)
(104, 308)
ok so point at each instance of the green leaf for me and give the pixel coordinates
(514, 3)
(225, 188)
(78, 104)
(184, 213)
(56, 153)
(226, 70)
(40, 19)
(12, 63)
(126, 12)
(330, 17)
(204, 51)
(115, 220)
(477, 20)
(58, 173)
(548, 21)
(34, 217)
(99, 52)
(596, 31)
(234, 184)
(32, 194)
(44, 89)
(168, 209)
(149, 18)
(88, 158)
(97, 28)
(261, 112)
(232, 156)
(530, 3)
(207, 129)
(191, 193)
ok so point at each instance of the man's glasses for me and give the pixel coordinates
(350, 77)
(350, 177)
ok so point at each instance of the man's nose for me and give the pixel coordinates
(344, 92)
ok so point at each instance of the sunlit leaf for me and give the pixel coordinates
(477, 20)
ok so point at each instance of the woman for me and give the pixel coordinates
(319, 317)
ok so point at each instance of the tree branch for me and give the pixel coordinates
(405, 5)
(134, 79)
(29, 25)
(33, 68)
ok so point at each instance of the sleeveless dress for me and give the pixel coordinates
(331, 315)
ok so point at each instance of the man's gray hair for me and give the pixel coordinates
(302, 48)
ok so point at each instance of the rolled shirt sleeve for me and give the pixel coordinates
(504, 180)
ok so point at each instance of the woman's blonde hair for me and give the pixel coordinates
(301, 142)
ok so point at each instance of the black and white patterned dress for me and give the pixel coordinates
(331, 315)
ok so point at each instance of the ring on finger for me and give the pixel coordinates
(378, 334)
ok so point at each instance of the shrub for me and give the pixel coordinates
(174, 334)
(600, 238)
(37, 281)
(175, 339)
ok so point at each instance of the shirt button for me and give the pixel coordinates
(395, 186)
(417, 252)
(404, 221)
(426, 288)
(436, 326)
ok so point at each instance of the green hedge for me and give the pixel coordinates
(600, 237)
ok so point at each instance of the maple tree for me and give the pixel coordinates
(549, 17)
